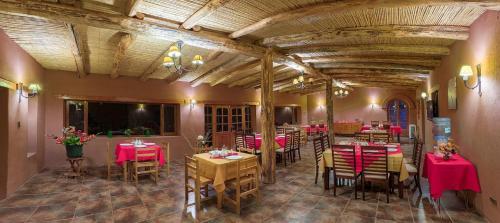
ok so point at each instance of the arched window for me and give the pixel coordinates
(397, 113)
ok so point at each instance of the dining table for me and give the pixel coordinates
(220, 170)
(457, 174)
(125, 152)
(394, 162)
(393, 129)
(279, 141)
(308, 129)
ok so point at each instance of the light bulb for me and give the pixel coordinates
(174, 52)
(168, 62)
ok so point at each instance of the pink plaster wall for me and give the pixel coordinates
(132, 89)
(18, 66)
(475, 122)
(358, 105)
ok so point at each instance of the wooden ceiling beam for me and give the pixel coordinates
(331, 71)
(125, 41)
(203, 39)
(375, 66)
(234, 70)
(132, 7)
(339, 7)
(254, 77)
(281, 77)
(313, 50)
(203, 12)
(254, 80)
(77, 44)
(412, 60)
(386, 31)
(218, 69)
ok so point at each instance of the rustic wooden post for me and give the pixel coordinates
(329, 109)
(267, 117)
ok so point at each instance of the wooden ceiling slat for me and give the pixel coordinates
(205, 11)
(306, 51)
(412, 60)
(76, 43)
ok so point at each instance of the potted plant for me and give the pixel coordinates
(73, 140)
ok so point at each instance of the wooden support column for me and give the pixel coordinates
(329, 109)
(267, 117)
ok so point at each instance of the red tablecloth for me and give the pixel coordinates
(395, 129)
(358, 155)
(127, 153)
(308, 129)
(279, 139)
(454, 174)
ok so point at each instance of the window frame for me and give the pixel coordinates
(162, 114)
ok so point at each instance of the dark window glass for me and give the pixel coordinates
(141, 119)
(169, 118)
(208, 125)
(75, 114)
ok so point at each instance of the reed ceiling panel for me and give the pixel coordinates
(171, 9)
(45, 41)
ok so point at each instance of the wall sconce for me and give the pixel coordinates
(33, 88)
(373, 105)
(466, 72)
(423, 95)
(192, 102)
(140, 107)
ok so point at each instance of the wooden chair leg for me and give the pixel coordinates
(417, 182)
(334, 185)
(387, 191)
(363, 186)
(316, 179)
(355, 188)
(206, 190)
(300, 157)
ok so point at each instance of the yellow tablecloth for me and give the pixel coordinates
(219, 170)
(394, 164)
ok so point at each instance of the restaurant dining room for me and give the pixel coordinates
(142, 111)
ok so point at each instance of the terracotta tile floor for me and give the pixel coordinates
(48, 197)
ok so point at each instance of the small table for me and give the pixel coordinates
(454, 174)
(76, 167)
(219, 171)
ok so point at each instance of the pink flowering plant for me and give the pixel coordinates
(72, 137)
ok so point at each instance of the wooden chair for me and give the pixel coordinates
(145, 162)
(344, 166)
(251, 144)
(414, 168)
(296, 144)
(193, 182)
(414, 152)
(280, 131)
(325, 142)
(386, 125)
(375, 124)
(374, 167)
(110, 161)
(318, 154)
(287, 150)
(362, 136)
(165, 147)
(239, 141)
(246, 182)
(381, 137)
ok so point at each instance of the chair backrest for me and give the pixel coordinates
(247, 167)
(386, 125)
(325, 141)
(321, 125)
(362, 136)
(280, 130)
(250, 143)
(296, 139)
(344, 159)
(288, 141)
(146, 154)
(374, 161)
(313, 126)
(239, 141)
(381, 137)
(191, 167)
(418, 159)
(318, 149)
(375, 123)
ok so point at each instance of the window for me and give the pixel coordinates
(97, 117)
(287, 114)
(248, 119)
(208, 125)
(397, 112)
